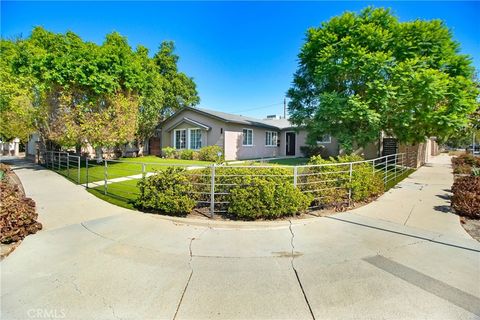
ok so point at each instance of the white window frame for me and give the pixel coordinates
(190, 138)
(243, 137)
(175, 139)
(273, 138)
(329, 140)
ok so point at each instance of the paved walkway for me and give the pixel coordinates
(94, 260)
(422, 201)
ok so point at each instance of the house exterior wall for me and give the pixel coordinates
(301, 140)
(214, 136)
(235, 150)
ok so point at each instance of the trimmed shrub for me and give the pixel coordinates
(466, 196)
(169, 152)
(188, 154)
(17, 213)
(462, 169)
(329, 182)
(211, 153)
(266, 199)
(167, 191)
(466, 159)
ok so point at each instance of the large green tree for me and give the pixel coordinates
(361, 74)
(104, 95)
(17, 114)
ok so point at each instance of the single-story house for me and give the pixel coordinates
(240, 137)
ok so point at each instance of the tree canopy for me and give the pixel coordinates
(77, 91)
(361, 74)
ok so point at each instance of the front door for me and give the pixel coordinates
(290, 143)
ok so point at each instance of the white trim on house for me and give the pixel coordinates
(175, 139)
(243, 137)
(190, 138)
(273, 138)
(294, 151)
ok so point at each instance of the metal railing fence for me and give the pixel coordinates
(328, 183)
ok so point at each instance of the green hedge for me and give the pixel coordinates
(168, 191)
(267, 199)
(329, 184)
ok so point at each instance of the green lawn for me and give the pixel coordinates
(119, 193)
(122, 168)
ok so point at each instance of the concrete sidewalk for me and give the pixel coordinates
(421, 201)
(97, 261)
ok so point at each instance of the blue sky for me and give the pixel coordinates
(242, 55)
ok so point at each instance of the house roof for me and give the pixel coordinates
(188, 120)
(274, 124)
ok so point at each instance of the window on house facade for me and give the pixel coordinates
(195, 139)
(247, 137)
(326, 138)
(180, 138)
(271, 138)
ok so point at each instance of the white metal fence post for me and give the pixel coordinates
(143, 170)
(395, 167)
(212, 191)
(86, 172)
(105, 178)
(78, 171)
(350, 184)
(295, 175)
(385, 171)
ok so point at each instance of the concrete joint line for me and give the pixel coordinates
(295, 270)
(406, 234)
(409, 214)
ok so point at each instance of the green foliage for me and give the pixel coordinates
(189, 154)
(17, 112)
(169, 152)
(211, 153)
(329, 180)
(315, 150)
(167, 192)
(105, 95)
(264, 199)
(466, 196)
(360, 74)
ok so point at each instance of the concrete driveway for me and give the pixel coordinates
(94, 260)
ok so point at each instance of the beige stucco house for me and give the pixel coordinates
(240, 137)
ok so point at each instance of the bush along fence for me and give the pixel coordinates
(243, 192)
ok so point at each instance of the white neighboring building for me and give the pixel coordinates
(10, 148)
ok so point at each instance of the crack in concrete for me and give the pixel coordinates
(95, 233)
(191, 271)
(295, 270)
(110, 307)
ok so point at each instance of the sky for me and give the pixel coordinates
(241, 55)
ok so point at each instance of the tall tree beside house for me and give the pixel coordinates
(165, 90)
(361, 74)
(105, 95)
(17, 113)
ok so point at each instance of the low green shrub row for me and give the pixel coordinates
(330, 182)
(261, 192)
(209, 153)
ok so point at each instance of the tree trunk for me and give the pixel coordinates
(140, 147)
(99, 154)
(78, 150)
